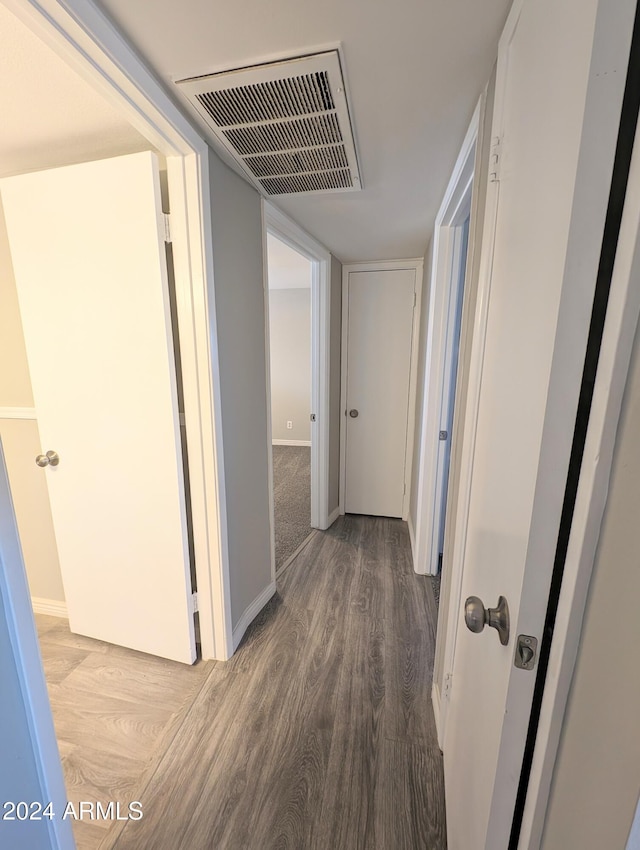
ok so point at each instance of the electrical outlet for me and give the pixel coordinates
(289, 425)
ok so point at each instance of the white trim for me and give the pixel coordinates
(443, 296)
(333, 516)
(436, 702)
(267, 362)
(51, 607)
(416, 265)
(251, 612)
(18, 613)
(621, 323)
(412, 538)
(18, 413)
(291, 442)
(448, 620)
(83, 36)
(281, 226)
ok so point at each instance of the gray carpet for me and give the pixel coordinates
(292, 499)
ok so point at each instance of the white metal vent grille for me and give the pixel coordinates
(287, 123)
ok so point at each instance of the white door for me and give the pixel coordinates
(90, 267)
(542, 271)
(379, 342)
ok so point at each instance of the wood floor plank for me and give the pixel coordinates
(59, 663)
(155, 681)
(369, 587)
(409, 800)
(347, 816)
(317, 735)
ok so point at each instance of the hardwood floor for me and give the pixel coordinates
(114, 711)
(317, 735)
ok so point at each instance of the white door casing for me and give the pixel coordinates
(542, 269)
(379, 323)
(90, 266)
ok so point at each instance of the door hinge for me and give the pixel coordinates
(415, 298)
(167, 226)
(194, 602)
(443, 435)
(404, 492)
(495, 160)
(446, 686)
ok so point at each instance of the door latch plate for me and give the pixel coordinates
(526, 652)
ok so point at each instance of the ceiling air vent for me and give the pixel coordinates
(286, 123)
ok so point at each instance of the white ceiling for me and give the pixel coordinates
(287, 269)
(50, 116)
(414, 69)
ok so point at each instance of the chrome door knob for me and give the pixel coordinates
(353, 413)
(476, 617)
(50, 459)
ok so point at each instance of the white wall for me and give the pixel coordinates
(240, 312)
(290, 341)
(597, 773)
(21, 443)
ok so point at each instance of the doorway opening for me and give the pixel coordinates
(302, 258)
(290, 276)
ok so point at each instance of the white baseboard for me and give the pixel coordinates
(291, 442)
(18, 413)
(435, 700)
(49, 606)
(412, 538)
(251, 613)
(333, 516)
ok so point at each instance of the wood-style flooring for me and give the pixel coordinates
(317, 735)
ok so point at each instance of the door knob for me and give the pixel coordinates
(476, 616)
(353, 413)
(50, 459)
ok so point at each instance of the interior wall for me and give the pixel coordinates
(290, 344)
(240, 313)
(596, 779)
(21, 442)
(335, 378)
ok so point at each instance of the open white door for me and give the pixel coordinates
(552, 169)
(90, 265)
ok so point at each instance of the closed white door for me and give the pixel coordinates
(90, 267)
(379, 340)
(537, 322)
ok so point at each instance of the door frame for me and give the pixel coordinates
(83, 37)
(17, 611)
(437, 398)
(287, 231)
(612, 36)
(416, 265)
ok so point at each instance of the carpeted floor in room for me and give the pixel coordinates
(292, 499)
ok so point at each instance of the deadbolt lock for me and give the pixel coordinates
(526, 651)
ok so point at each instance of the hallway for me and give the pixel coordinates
(319, 732)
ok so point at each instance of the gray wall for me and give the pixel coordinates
(597, 773)
(240, 311)
(290, 342)
(335, 414)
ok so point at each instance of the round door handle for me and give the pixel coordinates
(353, 413)
(476, 617)
(50, 459)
